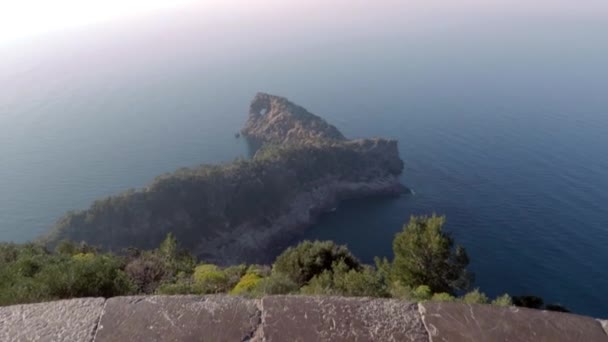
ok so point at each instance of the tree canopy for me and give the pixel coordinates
(426, 255)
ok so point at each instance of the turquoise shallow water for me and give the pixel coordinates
(502, 123)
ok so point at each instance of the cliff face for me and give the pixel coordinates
(274, 119)
(239, 212)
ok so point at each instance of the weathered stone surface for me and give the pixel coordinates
(456, 322)
(277, 120)
(178, 318)
(286, 318)
(604, 325)
(298, 318)
(67, 320)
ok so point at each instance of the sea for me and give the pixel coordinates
(501, 113)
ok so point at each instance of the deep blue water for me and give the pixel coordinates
(502, 122)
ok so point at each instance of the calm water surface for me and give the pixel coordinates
(502, 122)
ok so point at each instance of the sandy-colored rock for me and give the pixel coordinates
(457, 322)
(67, 320)
(178, 318)
(298, 318)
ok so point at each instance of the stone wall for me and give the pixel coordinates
(286, 318)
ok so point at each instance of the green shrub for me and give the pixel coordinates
(344, 281)
(70, 248)
(99, 276)
(421, 293)
(260, 270)
(275, 284)
(365, 283)
(309, 259)
(178, 288)
(66, 247)
(83, 256)
(443, 297)
(175, 259)
(147, 272)
(168, 248)
(425, 255)
(30, 273)
(320, 284)
(247, 284)
(504, 300)
(475, 297)
(30, 265)
(234, 275)
(210, 279)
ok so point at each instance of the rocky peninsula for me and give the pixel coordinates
(246, 210)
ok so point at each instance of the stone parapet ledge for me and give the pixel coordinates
(286, 318)
(604, 325)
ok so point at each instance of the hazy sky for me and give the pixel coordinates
(25, 18)
(22, 18)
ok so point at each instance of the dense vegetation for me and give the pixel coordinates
(228, 213)
(426, 266)
(201, 203)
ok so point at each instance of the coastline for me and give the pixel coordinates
(239, 211)
(245, 242)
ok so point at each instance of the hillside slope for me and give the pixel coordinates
(242, 211)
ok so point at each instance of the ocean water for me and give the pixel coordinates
(501, 116)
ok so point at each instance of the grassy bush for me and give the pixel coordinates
(275, 284)
(178, 288)
(210, 278)
(147, 272)
(504, 300)
(247, 284)
(443, 297)
(309, 259)
(30, 273)
(475, 297)
(425, 255)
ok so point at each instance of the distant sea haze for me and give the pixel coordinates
(502, 122)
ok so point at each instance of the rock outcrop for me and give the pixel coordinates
(286, 318)
(273, 119)
(245, 211)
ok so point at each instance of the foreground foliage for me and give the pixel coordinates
(425, 254)
(29, 273)
(426, 266)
